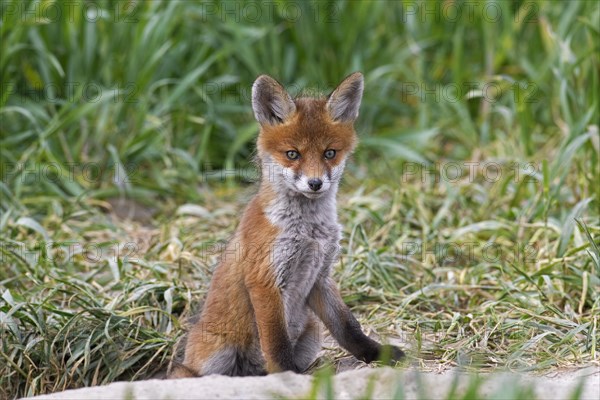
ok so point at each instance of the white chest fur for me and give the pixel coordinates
(305, 249)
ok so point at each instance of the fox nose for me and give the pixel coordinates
(315, 184)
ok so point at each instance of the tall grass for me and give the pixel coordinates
(148, 103)
(166, 84)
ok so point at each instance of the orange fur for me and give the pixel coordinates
(228, 316)
(310, 132)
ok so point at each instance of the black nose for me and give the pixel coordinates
(315, 184)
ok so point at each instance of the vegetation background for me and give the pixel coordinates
(126, 137)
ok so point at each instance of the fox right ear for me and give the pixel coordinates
(271, 104)
(344, 102)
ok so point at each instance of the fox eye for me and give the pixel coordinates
(292, 154)
(329, 154)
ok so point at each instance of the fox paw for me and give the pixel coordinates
(390, 355)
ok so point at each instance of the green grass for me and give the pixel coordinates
(479, 271)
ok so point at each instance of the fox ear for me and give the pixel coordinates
(344, 102)
(272, 105)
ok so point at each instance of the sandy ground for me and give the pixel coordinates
(350, 382)
(346, 385)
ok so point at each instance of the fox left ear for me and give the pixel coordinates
(343, 103)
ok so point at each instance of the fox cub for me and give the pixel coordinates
(273, 283)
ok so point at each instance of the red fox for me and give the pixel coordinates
(273, 284)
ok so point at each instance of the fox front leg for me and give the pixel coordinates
(272, 330)
(326, 301)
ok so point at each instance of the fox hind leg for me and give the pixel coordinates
(232, 361)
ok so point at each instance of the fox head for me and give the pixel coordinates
(303, 143)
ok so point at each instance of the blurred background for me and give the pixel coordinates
(164, 86)
(126, 126)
